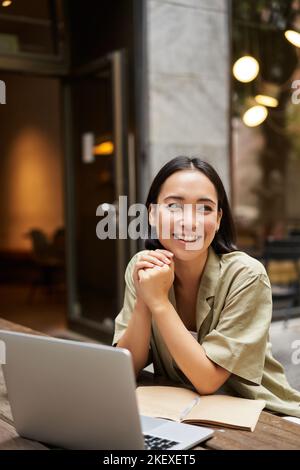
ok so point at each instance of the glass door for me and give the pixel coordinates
(97, 171)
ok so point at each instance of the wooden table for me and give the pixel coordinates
(9, 439)
(271, 432)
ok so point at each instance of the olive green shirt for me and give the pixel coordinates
(233, 315)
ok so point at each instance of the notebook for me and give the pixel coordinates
(183, 405)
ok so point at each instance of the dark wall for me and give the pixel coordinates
(98, 27)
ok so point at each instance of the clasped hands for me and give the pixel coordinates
(153, 277)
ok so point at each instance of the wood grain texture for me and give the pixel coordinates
(271, 432)
(9, 326)
(10, 440)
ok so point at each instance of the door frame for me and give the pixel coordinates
(60, 67)
(125, 167)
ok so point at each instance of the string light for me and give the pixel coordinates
(246, 69)
(255, 115)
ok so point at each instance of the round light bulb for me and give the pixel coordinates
(255, 115)
(266, 100)
(293, 37)
(245, 69)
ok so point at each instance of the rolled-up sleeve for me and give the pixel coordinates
(122, 319)
(238, 342)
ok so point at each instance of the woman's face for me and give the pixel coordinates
(186, 216)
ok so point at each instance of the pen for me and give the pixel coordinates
(188, 408)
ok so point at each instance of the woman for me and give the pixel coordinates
(194, 305)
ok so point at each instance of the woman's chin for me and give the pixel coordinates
(186, 255)
(185, 250)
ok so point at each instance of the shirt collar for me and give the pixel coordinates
(210, 276)
(207, 286)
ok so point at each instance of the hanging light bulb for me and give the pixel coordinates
(266, 100)
(105, 148)
(245, 69)
(293, 37)
(292, 32)
(268, 94)
(255, 115)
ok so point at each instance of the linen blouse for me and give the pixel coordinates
(233, 316)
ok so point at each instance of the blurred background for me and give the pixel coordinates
(95, 98)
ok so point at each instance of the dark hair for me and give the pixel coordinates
(224, 241)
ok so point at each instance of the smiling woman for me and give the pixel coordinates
(194, 280)
(178, 186)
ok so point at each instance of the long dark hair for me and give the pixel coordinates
(224, 241)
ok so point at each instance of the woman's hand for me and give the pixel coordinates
(149, 260)
(154, 275)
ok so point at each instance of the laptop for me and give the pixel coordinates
(77, 395)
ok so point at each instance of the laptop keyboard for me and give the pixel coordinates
(159, 443)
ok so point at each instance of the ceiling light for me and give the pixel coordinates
(245, 69)
(266, 100)
(105, 148)
(255, 115)
(293, 37)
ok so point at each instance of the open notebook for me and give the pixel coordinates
(183, 405)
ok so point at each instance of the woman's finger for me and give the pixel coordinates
(159, 255)
(162, 255)
(141, 274)
(166, 253)
(143, 264)
(156, 258)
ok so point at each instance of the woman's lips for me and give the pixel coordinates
(186, 239)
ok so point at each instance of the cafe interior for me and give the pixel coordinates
(72, 126)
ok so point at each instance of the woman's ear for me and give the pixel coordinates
(152, 215)
(220, 214)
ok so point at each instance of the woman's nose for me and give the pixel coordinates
(191, 221)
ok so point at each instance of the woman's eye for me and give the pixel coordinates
(174, 206)
(204, 208)
(201, 208)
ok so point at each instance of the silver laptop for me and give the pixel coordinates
(82, 396)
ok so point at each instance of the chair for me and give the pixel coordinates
(285, 254)
(48, 258)
(58, 245)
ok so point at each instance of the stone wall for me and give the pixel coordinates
(188, 83)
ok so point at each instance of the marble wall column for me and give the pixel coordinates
(187, 93)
